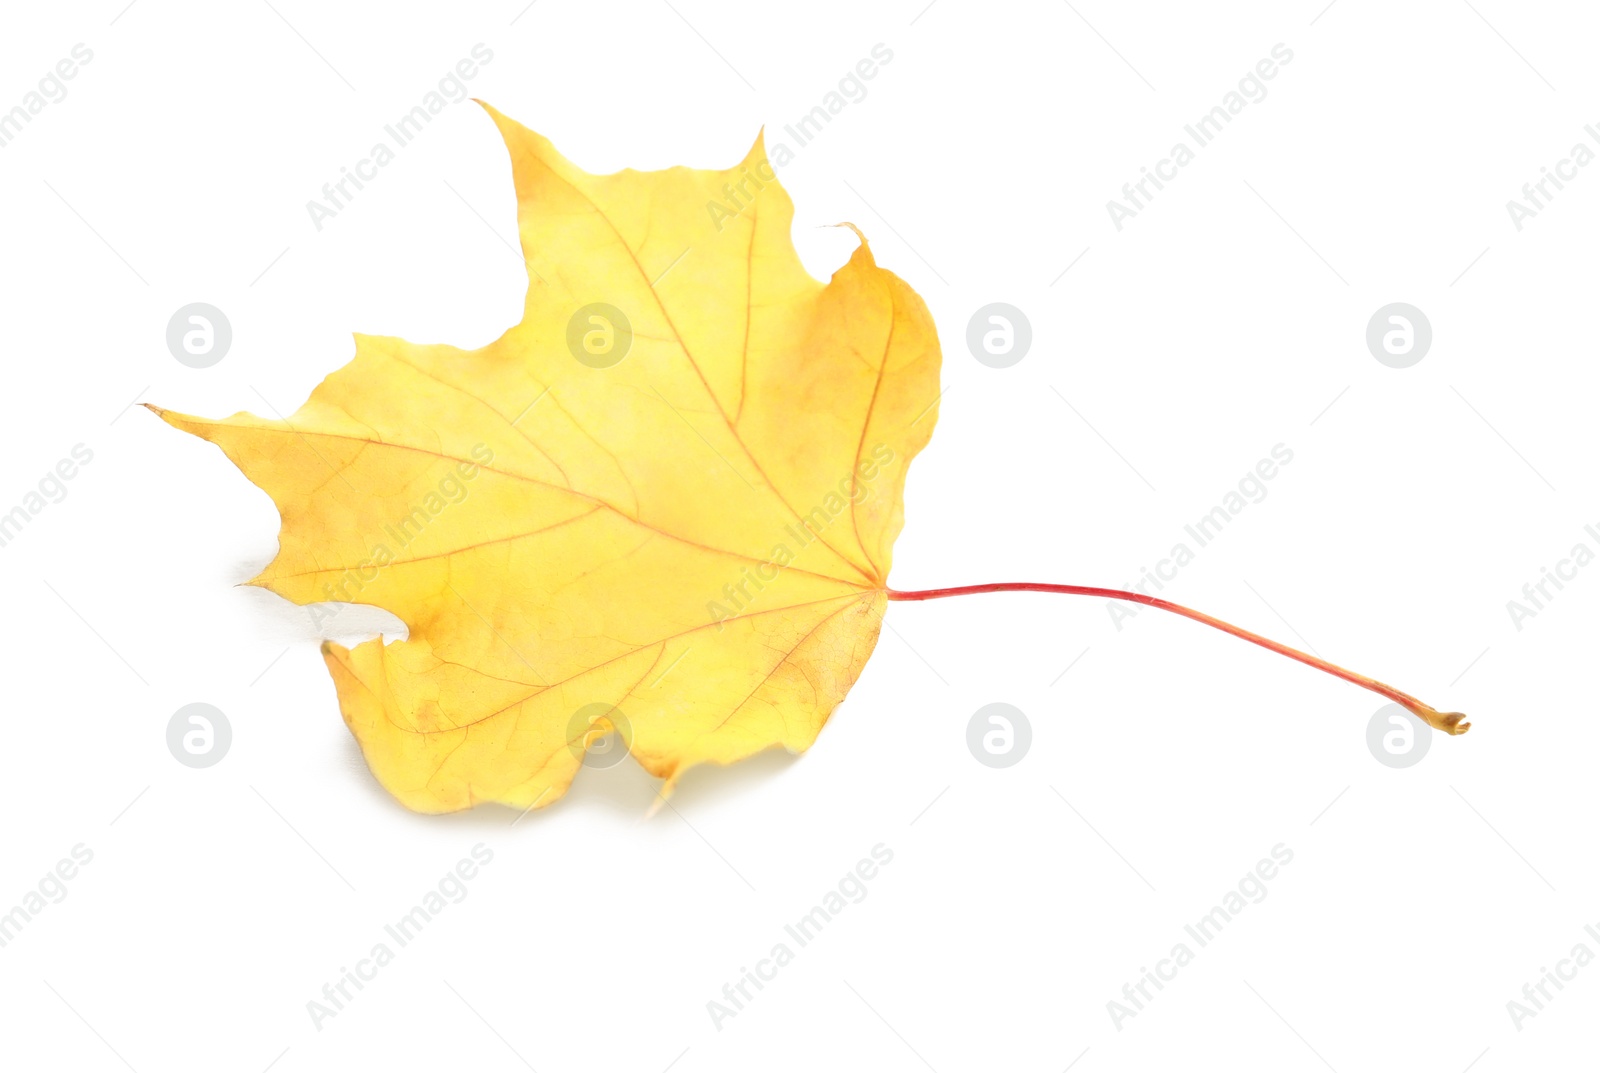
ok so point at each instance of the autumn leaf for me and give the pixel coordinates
(660, 509)
(664, 503)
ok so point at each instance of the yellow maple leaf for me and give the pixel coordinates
(664, 503)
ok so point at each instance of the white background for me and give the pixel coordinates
(1226, 318)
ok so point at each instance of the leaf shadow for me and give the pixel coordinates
(712, 786)
(623, 793)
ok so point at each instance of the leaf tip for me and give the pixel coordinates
(865, 249)
(758, 149)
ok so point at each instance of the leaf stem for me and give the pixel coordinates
(1449, 722)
